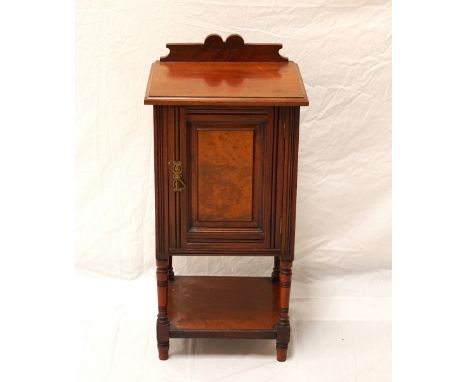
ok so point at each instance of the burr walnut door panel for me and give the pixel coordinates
(228, 159)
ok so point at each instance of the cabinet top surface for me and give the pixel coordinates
(226, 83)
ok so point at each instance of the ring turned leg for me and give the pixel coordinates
(162, 325)
(284, 329)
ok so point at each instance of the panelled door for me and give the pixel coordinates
(227, 156)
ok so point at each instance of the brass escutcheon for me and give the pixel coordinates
(177, 181)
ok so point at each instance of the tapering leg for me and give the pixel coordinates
(282, 339)
(275, 273)
(162, 325)
(171, 270)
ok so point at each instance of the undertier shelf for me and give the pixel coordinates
(224, 307)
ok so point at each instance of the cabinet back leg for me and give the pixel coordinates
(283, 327)
(171, 269)
(275, 273)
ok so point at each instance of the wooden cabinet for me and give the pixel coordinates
(226, 130)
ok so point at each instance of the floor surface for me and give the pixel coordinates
(116, 341)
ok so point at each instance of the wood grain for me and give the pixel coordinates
(212, 83)
(214, 303)
(225, 163)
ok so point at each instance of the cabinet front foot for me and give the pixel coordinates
(281, 352)
(163, 350)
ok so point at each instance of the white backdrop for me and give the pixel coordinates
(341, 291)
(343, 48)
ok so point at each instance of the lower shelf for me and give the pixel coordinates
(223, 307)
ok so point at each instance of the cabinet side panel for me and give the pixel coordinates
(291, 145)
(278, 163)
(158, 192)
(161, 181)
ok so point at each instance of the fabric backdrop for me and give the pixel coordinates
(343, 48)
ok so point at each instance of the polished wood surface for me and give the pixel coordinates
(226, 138)
(214, 303)
(225, 83)
(162, 323)
(284, 329)
(234, 49)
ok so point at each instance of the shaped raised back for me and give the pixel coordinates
(214, 49)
